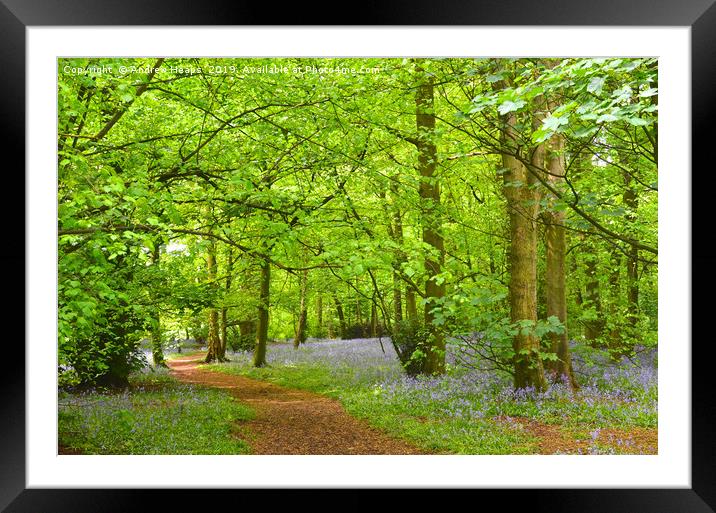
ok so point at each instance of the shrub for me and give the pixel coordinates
(245, 339)
(410, 338)
(318, 332)
(356, 331)
(363, 331)
(105, 358)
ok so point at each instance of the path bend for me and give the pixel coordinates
(291, 421)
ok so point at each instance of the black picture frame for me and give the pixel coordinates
(17, 15)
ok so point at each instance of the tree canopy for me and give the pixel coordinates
(504, 205)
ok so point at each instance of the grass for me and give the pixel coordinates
(456, 413)
(156, 415)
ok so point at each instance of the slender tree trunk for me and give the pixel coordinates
(632, 262)
(522, 206)
(214, 339)
(214, 342)
(615, 300)
(359, 314)
(319, 313)
(556, 253)
(341, 316)
(397, 298)
(431, 218)
(263, 315)
(225, 310)
(156, 333)
(300, 337)
(593, 328)
(224, 330)
(373, 318)
(396, 233)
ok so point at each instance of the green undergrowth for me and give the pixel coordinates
(156, 415)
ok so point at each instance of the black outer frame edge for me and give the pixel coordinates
(533, 500)
(703, 111)
(368, 12)
(12, 375)
(551, 12)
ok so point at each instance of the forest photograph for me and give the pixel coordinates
(352, 256)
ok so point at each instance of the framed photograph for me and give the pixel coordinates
(345, 115)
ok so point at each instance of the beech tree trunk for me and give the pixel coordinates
(555, 280)
(300, 337)
(341, 316)
(319, 313)
(522, 205)
(632, 262)
(593, 328)
(397, 235)
(615, 300)
(263, 315)
(224, 331)
(431, 218)
(213, 339)
(156, 332)
(225, 310)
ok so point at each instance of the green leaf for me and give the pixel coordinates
(510, 106)
(638, 121)
(606, 118)
(586, 131)
(595, 85)
(552, 123)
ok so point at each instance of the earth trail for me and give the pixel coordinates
(290, 421)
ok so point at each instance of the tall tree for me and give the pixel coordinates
(263, 314)
(156, 321)
(556, 254)
(213, 339)
(341, 317)
(300, 337)
(522, 195)
(430, 216)
(225, 309)
(631, 201)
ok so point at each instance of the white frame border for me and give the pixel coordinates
(670, 468)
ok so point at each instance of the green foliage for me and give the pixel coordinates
(318, 171)
(99, 322)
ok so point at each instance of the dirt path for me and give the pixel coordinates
(290, 421)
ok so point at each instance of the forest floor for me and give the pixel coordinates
(291, 421)
(352, 397)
